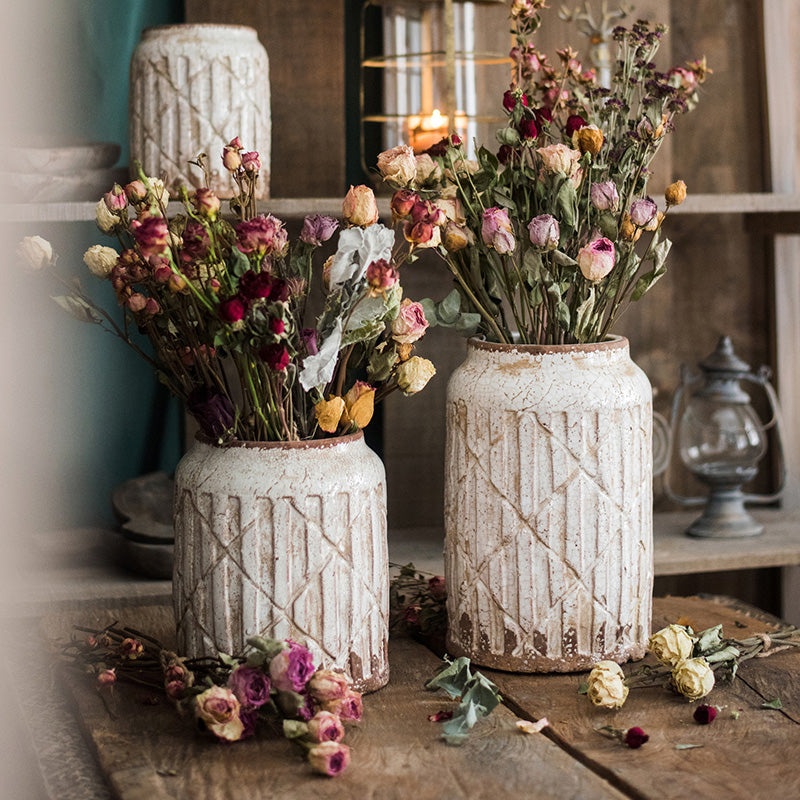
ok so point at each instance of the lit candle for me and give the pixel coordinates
(423, 132)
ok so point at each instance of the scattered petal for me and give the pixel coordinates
(440, 716)
(635, 738)
(526, 726)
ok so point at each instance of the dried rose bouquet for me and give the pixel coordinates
(552, 234)
(226, 304)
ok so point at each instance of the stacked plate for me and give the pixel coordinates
(46, 173)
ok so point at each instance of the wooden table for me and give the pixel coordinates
(149, 752)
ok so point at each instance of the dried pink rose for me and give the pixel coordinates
(604, 195)
(403, 201)
(250, 685)
(410, 324)
(218, 708)
(544, 231)
(643, 211)
(116, 199)
(231, 158)
(560, 158)
(325, 726)
(251, 162)
(326, 685)
(597, 259)
(347, 707)
(151, 234)
(107, 677)
(291, 669)
(206, 203)
(497, 231)
(262, 234)
(329, 758)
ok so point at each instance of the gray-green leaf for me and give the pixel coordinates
(776, 704)
(78, 308)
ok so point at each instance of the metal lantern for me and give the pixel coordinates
(434, 76)
(721, 441)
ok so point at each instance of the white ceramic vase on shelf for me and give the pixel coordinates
(548, 506)
(193, 88)
(284, 540)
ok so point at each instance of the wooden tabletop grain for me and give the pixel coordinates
(147, 751)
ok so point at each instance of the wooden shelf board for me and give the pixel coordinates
(297, 207)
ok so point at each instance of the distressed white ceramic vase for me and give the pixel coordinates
(548, 506)
(284, 540)
(193, 88)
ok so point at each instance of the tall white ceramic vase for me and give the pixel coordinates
(285, 540)
(193, 88)
(548, 506)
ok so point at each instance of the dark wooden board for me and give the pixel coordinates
(150, 753)
(754, 755)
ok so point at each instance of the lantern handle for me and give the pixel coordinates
(776, 421)
(687, 380)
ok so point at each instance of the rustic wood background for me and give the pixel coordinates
(720, 278)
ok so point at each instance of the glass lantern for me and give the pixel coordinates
(434, 73)
(721, 441)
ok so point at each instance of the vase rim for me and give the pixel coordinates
(301, 444)
(612, 342)
(177, 27)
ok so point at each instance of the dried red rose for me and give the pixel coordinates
(635, 738)
(705, 715)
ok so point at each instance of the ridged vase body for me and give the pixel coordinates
(548, 506)
(193, 88)
(284, 541)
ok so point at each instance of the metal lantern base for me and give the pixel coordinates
(725, 517)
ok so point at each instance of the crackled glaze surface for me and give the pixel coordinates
(548, 506)
(287, 542)
(192, 89)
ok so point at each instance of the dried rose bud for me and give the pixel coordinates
(276, 357)
(606, 685)
(403, 202)
(604, 196)
(705, 715)
(328, 413)
(136, 191)
(381, 275)
(675, 193)
(597, 259)
(410, 324)
(574, 123)
(359, 405)
(589, 139)
(628, 230)
(544, 232)
(329, 758)
(318, 229)
(528, 129)
(36, 252)
(360, 207)
(116, 199)
(231, 158)
(413, 375)
(232, 310)
(643, 211)
(107, 677)
(132, 648)
(106, 220)
(325, 726)
(496, 230)
(457, 237)
(136, 303)
(251, 162)
(206, 203)
(693, 678)
(437, 587)
(635, 738)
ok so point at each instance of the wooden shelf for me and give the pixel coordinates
(780, 206)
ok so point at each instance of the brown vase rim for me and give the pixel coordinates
(186, 26)
(611, 343)
(301, 444)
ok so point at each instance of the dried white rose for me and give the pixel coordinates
(100, 260)
(35, 251)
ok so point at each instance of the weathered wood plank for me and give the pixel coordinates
(150, 752)
(753, 755)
